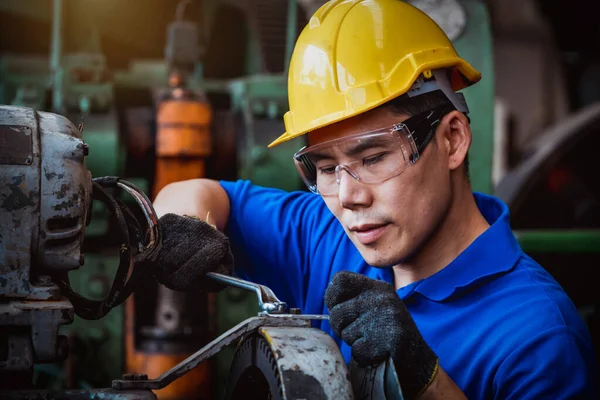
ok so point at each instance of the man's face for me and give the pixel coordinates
(388, 222)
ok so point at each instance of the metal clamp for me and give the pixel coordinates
(267, 301)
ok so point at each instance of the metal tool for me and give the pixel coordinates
(267, 301)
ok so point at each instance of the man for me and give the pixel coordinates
(393, 244)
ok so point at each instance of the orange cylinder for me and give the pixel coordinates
(183, 139)
(183, 142)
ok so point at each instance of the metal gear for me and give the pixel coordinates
(254, 374)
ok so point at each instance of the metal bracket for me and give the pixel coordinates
(140, 381)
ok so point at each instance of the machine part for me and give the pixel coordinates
(45, 191)
(129, 227)
(267, 301)
(212, 348)
(168, 310)
(182, 50)
(148, 210)
(288, 363)
(375, 382)
(30, 335)
(45, 195)
(254, 370)
(308, 363)
(183, 139)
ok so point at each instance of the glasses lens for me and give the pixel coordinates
(372, 158)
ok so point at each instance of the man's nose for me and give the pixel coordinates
(351, 192)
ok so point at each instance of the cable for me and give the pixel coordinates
(134, 248)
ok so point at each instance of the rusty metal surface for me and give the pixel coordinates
(43, 203)
(16, 146)
(226, 339)
(66, 193)
(92, 394)
(33, 331)
(309, 362)
(45, 191)
(19, 208)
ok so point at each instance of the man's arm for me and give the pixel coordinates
(190, 246)
(197, 198)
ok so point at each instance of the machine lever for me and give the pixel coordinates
(267, 301)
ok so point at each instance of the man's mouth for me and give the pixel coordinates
(368, 233)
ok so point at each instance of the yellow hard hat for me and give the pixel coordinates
(354, 55)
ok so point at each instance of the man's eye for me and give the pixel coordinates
(326, 170)
(374, 159)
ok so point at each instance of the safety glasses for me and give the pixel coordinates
(375, 156)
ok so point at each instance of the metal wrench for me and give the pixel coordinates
(267, 301)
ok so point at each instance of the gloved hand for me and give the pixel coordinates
(190, 248)
(370, 317)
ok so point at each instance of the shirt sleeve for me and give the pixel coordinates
(271, 235)
(556, 364)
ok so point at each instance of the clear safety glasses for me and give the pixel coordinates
(374, 156)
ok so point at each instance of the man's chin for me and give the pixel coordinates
(376, 260)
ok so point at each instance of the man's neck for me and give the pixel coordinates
(461, 226)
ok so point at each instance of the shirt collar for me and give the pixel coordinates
(494, 252)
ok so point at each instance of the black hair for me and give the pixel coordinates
(412, 106)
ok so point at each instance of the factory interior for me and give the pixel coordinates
(118, 71)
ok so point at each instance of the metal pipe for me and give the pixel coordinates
(559, 241)
(56, 56)
(290, 38)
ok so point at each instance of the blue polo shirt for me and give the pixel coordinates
(501, 325)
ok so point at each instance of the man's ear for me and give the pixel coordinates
(456, 135)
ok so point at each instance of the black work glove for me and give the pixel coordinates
(189, 249)
(370, 317)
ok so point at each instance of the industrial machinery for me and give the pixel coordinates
(46, 194)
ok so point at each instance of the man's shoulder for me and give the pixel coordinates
(530, 297)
